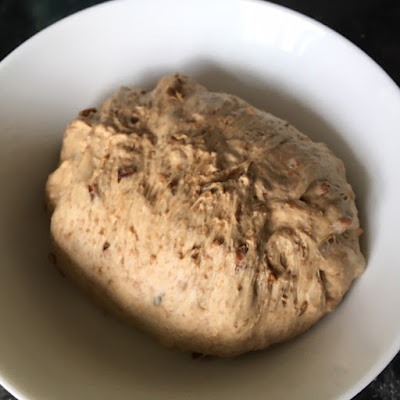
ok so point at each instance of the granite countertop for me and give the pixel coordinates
(373, 25)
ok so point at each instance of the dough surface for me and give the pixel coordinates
(213, 226)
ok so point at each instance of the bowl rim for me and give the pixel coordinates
(391, 351)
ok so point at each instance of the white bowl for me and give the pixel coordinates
(56, 345)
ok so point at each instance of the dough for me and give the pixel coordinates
(214, 226)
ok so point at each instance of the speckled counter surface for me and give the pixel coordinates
(373, 25)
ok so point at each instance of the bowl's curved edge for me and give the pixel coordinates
(44, 31)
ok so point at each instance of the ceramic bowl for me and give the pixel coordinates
(53, 343)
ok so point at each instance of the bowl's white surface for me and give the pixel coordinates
(53, 343)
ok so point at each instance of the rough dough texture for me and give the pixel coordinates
(214, 226)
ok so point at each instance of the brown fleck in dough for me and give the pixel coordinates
(236, 231)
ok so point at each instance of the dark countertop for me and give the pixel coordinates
(373, 25)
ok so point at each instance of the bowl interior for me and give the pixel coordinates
(53, 343)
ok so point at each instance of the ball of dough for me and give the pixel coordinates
(213, 226)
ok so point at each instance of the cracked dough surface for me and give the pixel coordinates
(214, 226)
